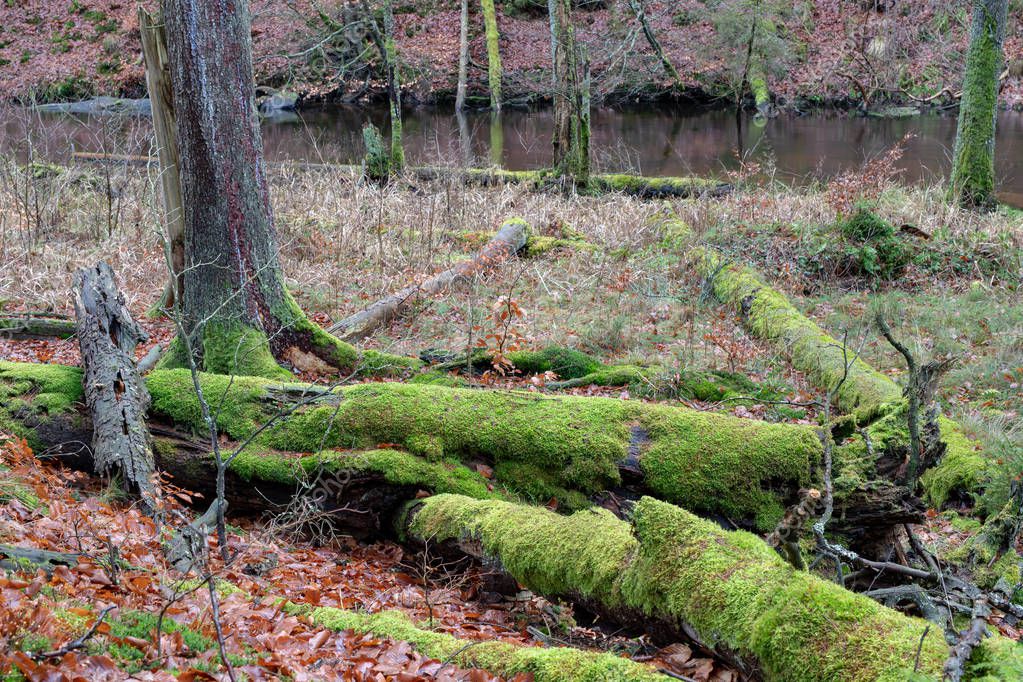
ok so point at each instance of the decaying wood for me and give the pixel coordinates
(32, 326)
(116, 397)
(969, 639)
(508, 240)
(154, 50)
(785, 537)
(15, 558)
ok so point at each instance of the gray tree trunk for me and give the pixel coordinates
(235, 309)
(973, 160)
(463, 56)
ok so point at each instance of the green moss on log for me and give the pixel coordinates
(555, 664)
(769, 315)
(673, 566)
(705, 461)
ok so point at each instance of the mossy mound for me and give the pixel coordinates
(874, 245)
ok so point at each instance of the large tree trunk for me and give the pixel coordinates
(973, 164)
(236, 311)
(679, 576)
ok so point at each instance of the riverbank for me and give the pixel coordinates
(819, 54)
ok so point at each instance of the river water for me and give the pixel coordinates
(651, 141)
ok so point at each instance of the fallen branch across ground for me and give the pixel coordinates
(508, 240)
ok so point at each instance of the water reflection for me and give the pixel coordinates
(652, 142)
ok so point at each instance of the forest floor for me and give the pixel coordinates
(614, 287)
(825, 51)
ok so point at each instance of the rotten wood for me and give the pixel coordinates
(36, 326)
(114, 393)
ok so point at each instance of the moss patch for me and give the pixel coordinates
(555, 664)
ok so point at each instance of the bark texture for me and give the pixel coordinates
(973, 162)
(114, 392)
(508, 240)
(158, 84)
(236, 310)
(571, 99)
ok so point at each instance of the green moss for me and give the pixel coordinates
(962, 468)
(876, 247)
(651, 187)
(39, 391)
(671, 565)
(494, 71)
(567, 363)
(437, 378)
(555, 664)
(396, 467)
(770, 316)
(997, 659)
(709, 462)
(973, 166)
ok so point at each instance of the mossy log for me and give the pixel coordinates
(633, 185)
(42, 326)
(677, 573)
(30, 559)
(509, 239)
(553, 664)
(540, 447)
(865, 393)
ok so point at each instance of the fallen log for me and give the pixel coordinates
(116, 397)
(42, 326)
(547, 180)
(553, 664)
(681, 575)
(865, 393)
(30, 559)
(508, 240)
(540, 447)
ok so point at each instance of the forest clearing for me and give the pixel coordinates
(423, 416)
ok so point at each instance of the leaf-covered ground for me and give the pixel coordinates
(122, 568)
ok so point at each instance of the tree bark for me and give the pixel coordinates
(158, 84)
(508, 240)
(463, 56)
(235, 307)
(571, 102)
(114, 392)
(973, 165)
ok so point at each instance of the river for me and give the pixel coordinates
(653, 141)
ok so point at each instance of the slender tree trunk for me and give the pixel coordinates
(235, 306)
(655, 45)
(463, 56)
(571, 100)
(154, 50)
(393, 90)
(973, 163)
(494, 70)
